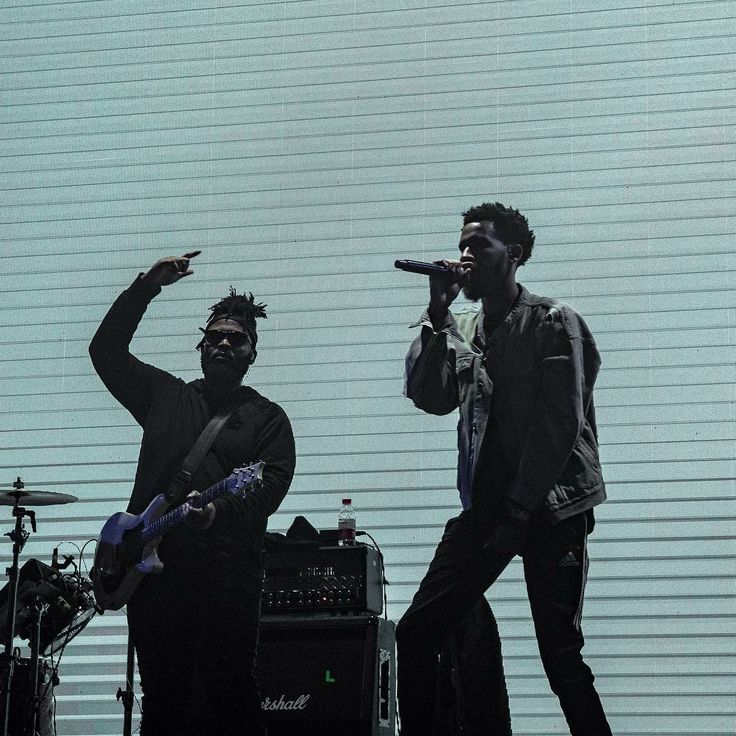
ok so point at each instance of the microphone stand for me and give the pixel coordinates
(127, 696)
(18, 536)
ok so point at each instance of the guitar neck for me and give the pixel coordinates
(174, 517)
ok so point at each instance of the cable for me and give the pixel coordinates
(83, 565)
(384, 581)
(80, 551)
(72, 629)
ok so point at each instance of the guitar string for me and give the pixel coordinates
(155, 529)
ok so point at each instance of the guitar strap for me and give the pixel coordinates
(180, 484)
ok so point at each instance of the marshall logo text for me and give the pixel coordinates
(299, 703)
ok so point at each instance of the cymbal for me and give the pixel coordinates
(34, 498)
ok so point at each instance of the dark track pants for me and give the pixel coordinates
(555, 569)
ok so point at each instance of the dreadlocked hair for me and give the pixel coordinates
(509, 224)
(240, 308)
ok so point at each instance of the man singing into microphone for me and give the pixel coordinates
(520, 368)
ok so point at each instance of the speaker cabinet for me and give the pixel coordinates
(328, 676)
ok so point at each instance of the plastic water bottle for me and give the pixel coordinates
(346, 523)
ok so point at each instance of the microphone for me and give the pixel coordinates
(427, 269)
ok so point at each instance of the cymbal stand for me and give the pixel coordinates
(18, 536)
(34, 702)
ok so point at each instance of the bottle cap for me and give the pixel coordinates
(346, 501)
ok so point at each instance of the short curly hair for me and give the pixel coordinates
(510, 225)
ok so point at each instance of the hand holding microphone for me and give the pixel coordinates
(445, 282)
(422, 267)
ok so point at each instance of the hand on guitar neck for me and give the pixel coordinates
(196, 517)
(127, 546)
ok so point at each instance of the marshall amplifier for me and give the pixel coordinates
(328, 676)
(303, 579)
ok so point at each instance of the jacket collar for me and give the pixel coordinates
(522, 301)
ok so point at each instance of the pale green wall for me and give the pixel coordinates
(305, 145)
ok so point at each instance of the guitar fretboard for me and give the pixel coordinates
(174, 517)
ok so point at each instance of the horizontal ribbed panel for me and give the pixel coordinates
(304, 145)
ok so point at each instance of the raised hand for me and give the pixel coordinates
(170, 269)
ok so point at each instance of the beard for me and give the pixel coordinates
(472, 292)
(478, 286)
(482, 284)
(222, 373)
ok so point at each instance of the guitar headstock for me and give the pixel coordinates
(245, 477)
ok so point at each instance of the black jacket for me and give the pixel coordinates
(545, 364)
(172, 414)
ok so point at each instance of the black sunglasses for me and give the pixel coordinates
(236, 339)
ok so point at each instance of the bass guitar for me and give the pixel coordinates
(127, 546)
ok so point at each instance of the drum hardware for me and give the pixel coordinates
(22, 696)
(45, 607)
(33, 498)
(65, 599)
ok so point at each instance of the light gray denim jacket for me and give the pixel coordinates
(545, 363)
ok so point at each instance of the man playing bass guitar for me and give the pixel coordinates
(197, 620)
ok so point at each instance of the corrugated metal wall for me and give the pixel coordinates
(303, 146)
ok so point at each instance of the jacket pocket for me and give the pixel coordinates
(582, 472)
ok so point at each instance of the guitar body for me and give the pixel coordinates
(114, 581)
(127, 548)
